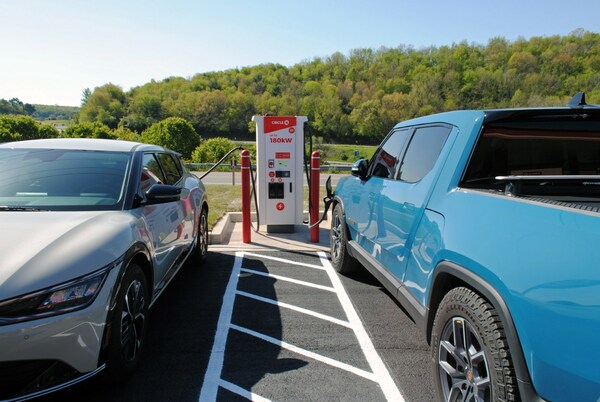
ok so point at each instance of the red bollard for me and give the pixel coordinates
(315, 178)
(246, 217)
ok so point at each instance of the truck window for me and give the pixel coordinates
(528, 151)
(559, 157)
(385, 161)
(423, 150)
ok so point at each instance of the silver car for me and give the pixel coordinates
(91, 233)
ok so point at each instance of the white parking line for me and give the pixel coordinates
(289, 262)
(286, 279)
(210, 387)
(242, 392)
(296, 308)
(307, 353)
(389, 388)
(212, 379)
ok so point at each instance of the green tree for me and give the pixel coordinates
(174, 133)
(105, 105)
(212, 150)
(240, 112)
(85, 95)
(367, 121)
(15, 106)
(19, 128)
(144, 110)
(125, 134)
(523, 62)
(349, 96)
(89, 130)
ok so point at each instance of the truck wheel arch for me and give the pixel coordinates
(449, 275)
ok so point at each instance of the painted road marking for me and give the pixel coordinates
(307, 353)
(389, 388)
(296, 308)
(243, 392)
(286, 279)
(212, 380)
(289, 262)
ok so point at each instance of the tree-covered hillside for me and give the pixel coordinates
(358, 97)
(39, 112)
(54, 112)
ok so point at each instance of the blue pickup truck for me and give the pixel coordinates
(485, 225)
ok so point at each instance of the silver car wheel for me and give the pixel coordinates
(133, 320)
(203, 234)
(463, 365)
(201, 249)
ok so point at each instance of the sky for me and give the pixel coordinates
(51, 50)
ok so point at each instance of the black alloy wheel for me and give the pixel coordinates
(129, 324)
(471, 359)
(202, 237)
(341, 261)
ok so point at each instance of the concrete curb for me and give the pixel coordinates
(224, 227)
(222, 230)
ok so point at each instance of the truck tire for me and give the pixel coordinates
(341, 261)
(470, 355)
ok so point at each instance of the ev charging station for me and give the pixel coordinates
(279, 171)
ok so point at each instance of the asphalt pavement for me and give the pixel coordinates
(271, 320)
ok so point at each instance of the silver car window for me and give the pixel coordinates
(58, 179)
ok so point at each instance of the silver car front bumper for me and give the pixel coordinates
(74, 338)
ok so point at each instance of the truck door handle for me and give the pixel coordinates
(290, 187)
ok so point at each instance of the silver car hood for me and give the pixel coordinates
(43, 249)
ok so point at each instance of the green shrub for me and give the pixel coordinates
(19, 128)
(174, 133)
(212, 150)
(88, 130)
(125, 134)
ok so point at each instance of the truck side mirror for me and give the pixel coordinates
(360, 167)
(328, 188)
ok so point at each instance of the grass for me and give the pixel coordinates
(222, 198)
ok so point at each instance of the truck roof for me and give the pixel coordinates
(463, 118)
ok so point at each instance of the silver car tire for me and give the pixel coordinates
(202, 237)
(129, 324)
(470, 354)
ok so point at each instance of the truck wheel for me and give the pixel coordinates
(471, 359)
(338, 239)
(128, 325)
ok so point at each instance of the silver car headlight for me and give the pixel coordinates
(60, 299)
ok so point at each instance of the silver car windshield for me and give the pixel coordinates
(58, 179)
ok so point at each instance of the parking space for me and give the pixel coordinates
(273, 339)
(273, 325)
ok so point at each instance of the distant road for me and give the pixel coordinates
(226, 178)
